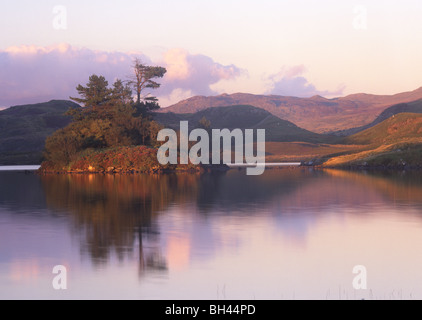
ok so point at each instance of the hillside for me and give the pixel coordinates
(400, 127)
(396, 141)
(411, 107)
(315, 114)
(246, 117)
(23, 130)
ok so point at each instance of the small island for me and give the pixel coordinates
(111, 133)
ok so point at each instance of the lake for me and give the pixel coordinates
(288, 234)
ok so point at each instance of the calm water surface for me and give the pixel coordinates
(288, 234)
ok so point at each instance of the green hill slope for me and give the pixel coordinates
(23, 130)
(398, 128)
(394, 142)
(411, 107)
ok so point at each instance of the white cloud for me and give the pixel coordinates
(175, 96)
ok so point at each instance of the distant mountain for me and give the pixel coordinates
(316, 114)
(245, 117)
(23, 130)
(411, 107)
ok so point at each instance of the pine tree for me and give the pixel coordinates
(96, 92)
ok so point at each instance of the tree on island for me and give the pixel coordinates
(110, 117)
(96, 92)
(142, 79)
(121, 93)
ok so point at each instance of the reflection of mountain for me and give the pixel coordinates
(300, 190)
(19, 191)
(392, 186)
(296, 199)
(296, 189)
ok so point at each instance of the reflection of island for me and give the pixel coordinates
(113, 212)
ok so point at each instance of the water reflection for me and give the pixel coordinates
(277, 222)
(116, 214)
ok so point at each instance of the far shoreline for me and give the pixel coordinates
(5, 168)
(37, 169)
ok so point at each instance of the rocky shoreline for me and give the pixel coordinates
(153, 170)
(220, 168)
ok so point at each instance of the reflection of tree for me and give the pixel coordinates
(114, 212)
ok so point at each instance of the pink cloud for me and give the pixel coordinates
(291, 82)
(31, 74)
(194, 73)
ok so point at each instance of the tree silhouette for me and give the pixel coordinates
(143, 78)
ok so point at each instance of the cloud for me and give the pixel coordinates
(175, 96)
(31, 74)
(291, 82)
(194, 73)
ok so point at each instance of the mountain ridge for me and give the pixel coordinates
(316, 114)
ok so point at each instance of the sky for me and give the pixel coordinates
(284, 47)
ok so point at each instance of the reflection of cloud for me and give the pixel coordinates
(295, 228)
(290, 82)
(32, 74)
(178, 252)
(24, 270)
